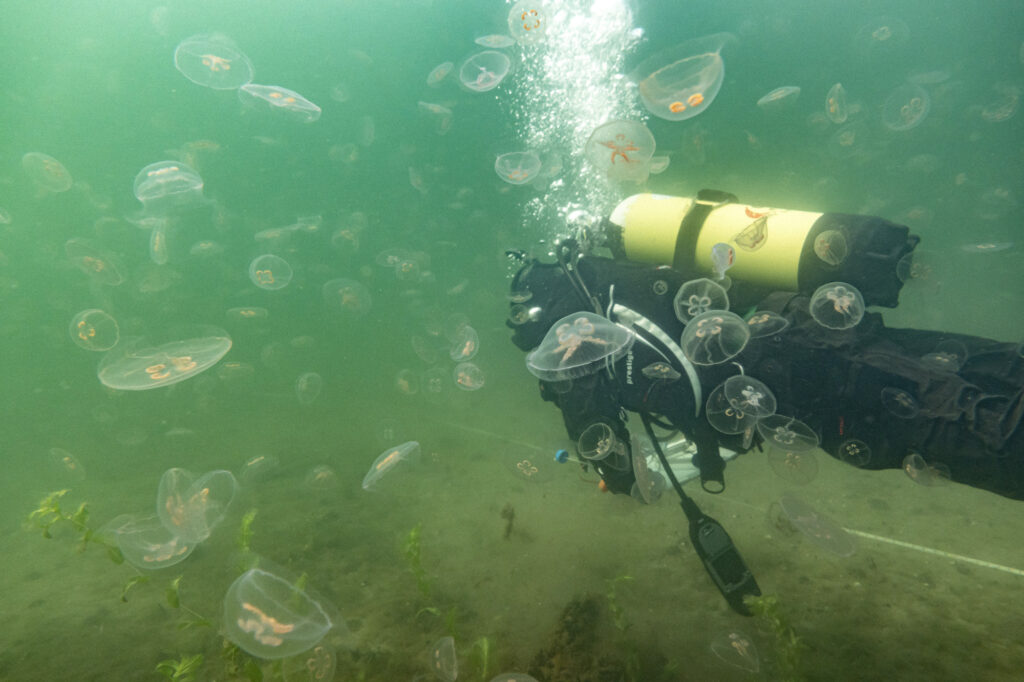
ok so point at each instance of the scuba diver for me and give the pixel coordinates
(607, 338)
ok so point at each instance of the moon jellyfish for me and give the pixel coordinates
(321, 477)
(191, 508)
(724, 416)
(495, 40)
(94, 330)
(167, 185)
(919, 471)
(779, 98)
(315, 665)
(830, 247)
(738, 650)
(146, 543)
(577, 345)
(714, 337)
(407, 382)
(660, 370)
(598, 443)
(787, 433)
(443, 661)
(837, 305)
(137, 366)
(766, 323)
(723, 257)
(905, 107)
(268, 617)
(683, 81)
(948, 356)
(347, 296)
(484, 71)
(46, 172)
(835, 104)
(517, 168)
(434, 381)
(796, 467)
(388, 459)
(899, 403)
(698, 296)
(465, 343)
(468, 376)
(158, 249)
(847, 141)
(270, 272)
(66, 464)
(622, 150)
(213, 61)
(659, 164)
(854, 452)
(281, 99)
(749, 395)
(527, 21)
(821, 530)
(882, 35)
(248, 313)
(308, 387)
(439, 73)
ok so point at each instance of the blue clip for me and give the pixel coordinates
(562, 456)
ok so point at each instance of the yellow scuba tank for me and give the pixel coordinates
(773, 248)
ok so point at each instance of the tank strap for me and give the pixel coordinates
(689, 230)
(630, 317)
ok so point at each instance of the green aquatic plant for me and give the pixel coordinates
(788, 647)
(414, 559)
(182, 670)
(238, 664)
(618, 615)
(132, 582)
(245, 532)
(480, 657)
(189, 618)
(49, 513)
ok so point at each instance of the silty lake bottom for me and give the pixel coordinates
(387, 207)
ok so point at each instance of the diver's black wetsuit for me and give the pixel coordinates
(970, 419)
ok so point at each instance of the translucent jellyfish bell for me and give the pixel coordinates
(598, 443)
(766, 323)
(388, 459)
(698, 296)
(837, 305)
(168, 185)
(787, 433)
(749, 395)
(528, 21)
(724, 416)
(577, 345)
(779, 98)
(191, 508)
(821, 530)
(622, 150)
(517, 168)
(835, 104)
(905, 107)
(269, 617)
(46, 172)
(484, 70)
(138, 366)
(280, 99)
(714, 337)
(213, 61)
(681, 82)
